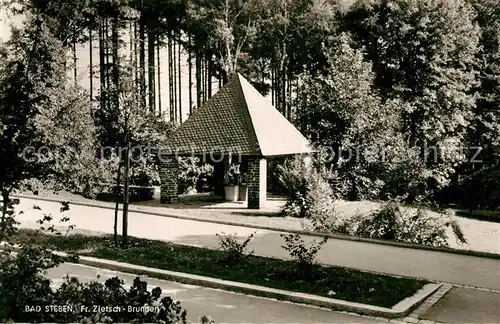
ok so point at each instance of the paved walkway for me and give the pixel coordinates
(462, 305)
(439, 266)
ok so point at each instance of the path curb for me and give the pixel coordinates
(134, 209)
(401, 309)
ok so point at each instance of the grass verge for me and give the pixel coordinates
(335, 282)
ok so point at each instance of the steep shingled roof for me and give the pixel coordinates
(238, 119)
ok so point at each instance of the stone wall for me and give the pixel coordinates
(169, 172)
(257, 182)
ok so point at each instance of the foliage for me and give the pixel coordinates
(194, 176)
(232, 175)
(480, 190)
(24, 287)
(206, 320)
(243, 178)
(234, 249)
(425, 54)
(22, 284)
(47, 218)
(309, 194)
(393, 223)
(33, 69)
(47, 133)
(69, 135)
(485, 128)
(7, 222)
(303, 254)
(294, 176)
(274, 184)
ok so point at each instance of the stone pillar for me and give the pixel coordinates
(169, 173)
(257, 182)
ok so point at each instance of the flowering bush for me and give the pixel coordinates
(391, 222)
(309, 193)
(304, 254)
(234, 249)
(232, 175)
(194, 176)
(22, 284)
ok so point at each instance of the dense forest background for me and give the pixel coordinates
(413, 85)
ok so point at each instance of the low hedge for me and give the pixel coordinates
(136, 194)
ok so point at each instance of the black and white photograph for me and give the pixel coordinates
(250, 161)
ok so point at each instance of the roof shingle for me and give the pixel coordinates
(239, 120)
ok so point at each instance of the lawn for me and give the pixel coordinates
(335, 282)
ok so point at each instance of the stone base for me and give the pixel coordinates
(169, 172)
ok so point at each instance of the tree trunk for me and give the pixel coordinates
(198, 78)
(204, 71)
(180, 77)
(170, 80)
(174, 75)
(209, 79)
(151, 71)
(190, 67)
(272, 86)
(108, 64)
(116, 63)
(91, 67)
(136, 71)
(158, 72)
(75, 72)
(131, 43)
(126, 198)
(117, 197)
(102, 64)
(5, 204)
(142, 60)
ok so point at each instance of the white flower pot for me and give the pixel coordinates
(243, 193)
(231, 193)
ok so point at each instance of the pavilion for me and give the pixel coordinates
(236, 123)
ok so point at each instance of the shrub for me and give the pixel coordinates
(194, 176)
(234, 249)
(274, 184)
(309, 195)
(294, 176)
(232, 175)
(391, 222)
(22, 284)
(481, 190)
(206, 320)
(303, 254)
(135, 194)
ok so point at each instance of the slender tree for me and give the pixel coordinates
(170, 79)
(190, 68)
(159, 74)
(198, 76)
(174, 74)
(142, 59)
(91, 66)
(102, 63)
(75, 70)
(151, 69)
(179, 73)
